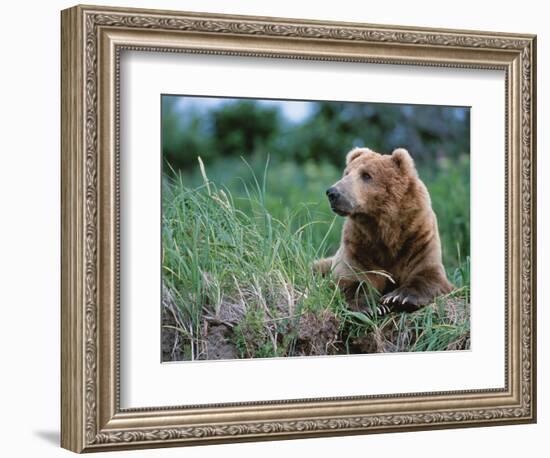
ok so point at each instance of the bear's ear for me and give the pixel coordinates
(403, 160)
(355, 153)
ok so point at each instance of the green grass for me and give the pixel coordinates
(237, 253)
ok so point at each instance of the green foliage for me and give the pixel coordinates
(428, 132)
(241, 127)
(249, 249)
(296, 193)
(244, 126)
(250, 336)
(231, 130)
(449, 187)
(183, 137)
(215, 254)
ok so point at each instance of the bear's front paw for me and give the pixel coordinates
(322, 266)
(404, 299)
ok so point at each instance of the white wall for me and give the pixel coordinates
(29, 241)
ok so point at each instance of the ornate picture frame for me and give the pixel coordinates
(93, 39)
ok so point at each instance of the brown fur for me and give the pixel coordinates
(390, 237)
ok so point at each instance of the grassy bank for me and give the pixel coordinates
(237, 256)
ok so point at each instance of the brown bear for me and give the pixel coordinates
(390, 237)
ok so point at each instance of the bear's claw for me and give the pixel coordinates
(380, 310)
(402, 298)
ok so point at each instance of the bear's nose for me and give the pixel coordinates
(332, 193)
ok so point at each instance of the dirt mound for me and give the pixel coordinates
(238, 329)
(317, 334)
(218, 343)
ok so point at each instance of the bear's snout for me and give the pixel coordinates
(339, 203)
(332, 193)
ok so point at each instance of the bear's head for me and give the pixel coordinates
(372, 183)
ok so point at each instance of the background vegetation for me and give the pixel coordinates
(240, 231)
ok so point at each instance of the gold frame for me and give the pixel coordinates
(92, 39)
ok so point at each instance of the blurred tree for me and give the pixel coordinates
(245, 127)
(242, 127)
(184, 136)
(428, 132)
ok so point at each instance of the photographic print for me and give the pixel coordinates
(307, 228)
(310, 215)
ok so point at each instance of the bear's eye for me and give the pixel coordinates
(366, 176)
